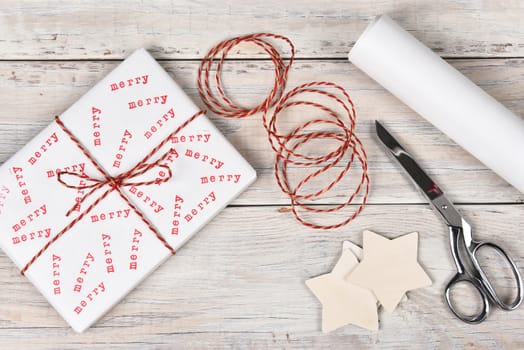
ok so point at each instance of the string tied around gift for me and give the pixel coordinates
(121, 180)
(338, 125)
(114, 183)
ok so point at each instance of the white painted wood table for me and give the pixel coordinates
(240, 282)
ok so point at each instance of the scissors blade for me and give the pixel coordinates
(428, 187)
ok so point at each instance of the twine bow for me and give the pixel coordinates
(118, 181)
(115, 184)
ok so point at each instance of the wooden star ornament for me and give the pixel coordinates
(389, 268)
(342, 302)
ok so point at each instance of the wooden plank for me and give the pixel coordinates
(32, 92)
(240, 283)
(186, 29)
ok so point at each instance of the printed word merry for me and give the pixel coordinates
(191, 138)
(45, 233)
(83, 272)
(146, 199)
(89, 297)
(124, 213)
(148, 101)
(97, 141)
(80, 193)
(110, 268)
(134, 248)
(42, 210)
(48, 143)
(204, 158)
(4, 191)
(159, 123)
(220, 178)
(202, 205)
(56, 274)
(130, 82)
(176, 214)
(73, 168)
(125, 140)
(23, 186)
(173, 154)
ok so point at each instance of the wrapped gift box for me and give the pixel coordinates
(104, 255)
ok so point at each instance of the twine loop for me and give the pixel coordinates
(115, 184)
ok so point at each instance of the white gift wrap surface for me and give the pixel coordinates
(106, 254)
(442, 95)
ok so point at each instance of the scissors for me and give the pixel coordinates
(464, 248)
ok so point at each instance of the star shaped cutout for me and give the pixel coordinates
(343, 302)
(389, 268)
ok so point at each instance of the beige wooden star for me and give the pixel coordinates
(389, 268)
(358, 252)
(342, 302)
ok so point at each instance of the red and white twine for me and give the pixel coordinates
(287, 147)
(341, 126)
(114, 184)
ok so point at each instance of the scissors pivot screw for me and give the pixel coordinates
(460, 239)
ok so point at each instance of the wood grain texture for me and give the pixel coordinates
(240, 282)
(44, 89)
(59, 29)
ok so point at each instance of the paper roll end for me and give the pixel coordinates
(366, 31)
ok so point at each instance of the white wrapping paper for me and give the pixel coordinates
(106, 254)
(442, 95)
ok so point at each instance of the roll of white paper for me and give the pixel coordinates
(442, 95)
